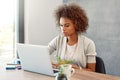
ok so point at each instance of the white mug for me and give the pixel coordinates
(67, 69)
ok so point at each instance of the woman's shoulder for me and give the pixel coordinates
(87, 39)
(59, 38)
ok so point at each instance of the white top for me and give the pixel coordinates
(70, 53)
(85, 51)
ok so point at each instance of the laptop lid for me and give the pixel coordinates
(35, 58)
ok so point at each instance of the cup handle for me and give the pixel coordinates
(72, 70)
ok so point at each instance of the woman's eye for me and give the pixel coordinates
(60, 25)
(66, 25)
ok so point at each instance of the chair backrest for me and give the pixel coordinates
(100, 67)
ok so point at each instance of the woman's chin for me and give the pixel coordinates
(65, 35)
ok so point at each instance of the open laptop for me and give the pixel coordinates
(35, 58)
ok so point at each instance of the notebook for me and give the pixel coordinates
(35, 58)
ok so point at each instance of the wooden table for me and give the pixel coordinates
(78, 75)
(87, 75)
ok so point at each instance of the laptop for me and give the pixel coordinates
(35, 58)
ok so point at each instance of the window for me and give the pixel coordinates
(9, 28)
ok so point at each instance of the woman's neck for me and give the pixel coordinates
(71, 40)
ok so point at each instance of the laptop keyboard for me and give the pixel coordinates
(55, 70)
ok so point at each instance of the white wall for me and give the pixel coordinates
(104, 29)
(39, 21)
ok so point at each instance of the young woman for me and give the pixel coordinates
(72, 46)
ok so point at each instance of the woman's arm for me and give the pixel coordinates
(90, 67)
(91, 56)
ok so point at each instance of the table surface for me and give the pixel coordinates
(78, 75)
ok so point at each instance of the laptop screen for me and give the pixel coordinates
(35, 58)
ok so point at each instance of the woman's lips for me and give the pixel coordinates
(64, 32)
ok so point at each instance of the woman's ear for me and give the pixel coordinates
(76, 28)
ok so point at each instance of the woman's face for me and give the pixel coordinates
(67, 27)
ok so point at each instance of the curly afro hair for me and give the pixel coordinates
(75, 13)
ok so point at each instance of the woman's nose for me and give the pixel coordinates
(63, 28)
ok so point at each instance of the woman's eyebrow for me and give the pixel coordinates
(65, 24)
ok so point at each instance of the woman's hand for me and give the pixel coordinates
(56, 66)
(75, 66)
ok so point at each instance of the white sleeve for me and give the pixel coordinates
(91, 53)
(52, 45)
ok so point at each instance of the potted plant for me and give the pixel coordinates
(61, 75)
